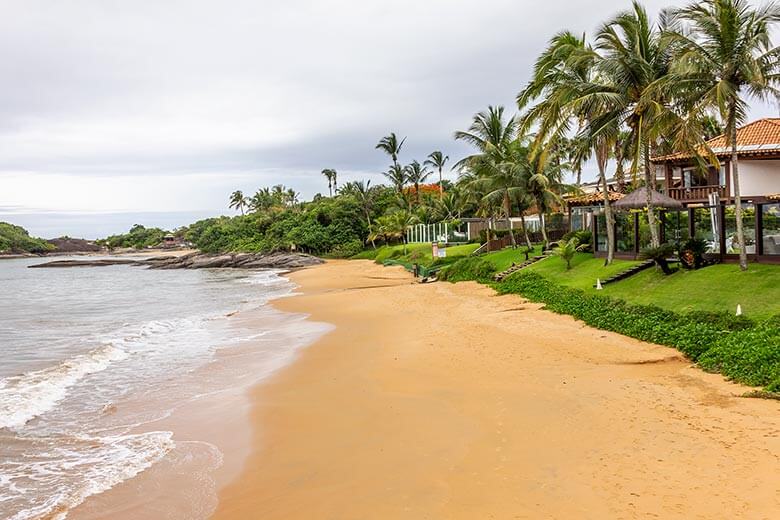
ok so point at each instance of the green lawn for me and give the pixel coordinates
(501, 260)
(717, 288)
(420, 253)
(584, 272)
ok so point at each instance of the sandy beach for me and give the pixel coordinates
(447, 401)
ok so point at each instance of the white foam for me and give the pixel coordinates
(101, 462)
(29, 395)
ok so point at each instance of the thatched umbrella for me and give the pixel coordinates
(637, 199)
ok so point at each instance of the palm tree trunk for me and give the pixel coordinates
(525, 231)
(543, 226)
(507, 210)
(579, 175)
(737, 196)
(370, 234)
(441, 186)
(655, 239)
(601, 160)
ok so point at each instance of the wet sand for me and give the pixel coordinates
(447, 401)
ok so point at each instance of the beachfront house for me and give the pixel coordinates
(705, 200)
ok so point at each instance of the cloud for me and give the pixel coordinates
(168, 106)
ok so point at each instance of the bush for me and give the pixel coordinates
(583, 236)
(732, 345)
(469, 268)
(347, 249)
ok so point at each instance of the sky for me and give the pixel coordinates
(114, 112)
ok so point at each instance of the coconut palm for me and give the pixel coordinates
(238, 201)
(394, 226)
(330, 174)
(365, 196)
(566, 83)
(391, 146)
(724, 53)
(566, 250)
(490, 134)
(398, 177)
(437, 160)
(417, 174)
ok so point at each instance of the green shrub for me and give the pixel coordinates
(749, 356)
(347, 249)
(469, 268)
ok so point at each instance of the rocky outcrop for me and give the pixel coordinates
(201, 261)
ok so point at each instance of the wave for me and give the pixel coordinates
(101, 462)
(29, 395)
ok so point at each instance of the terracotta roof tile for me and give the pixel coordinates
(761, 136)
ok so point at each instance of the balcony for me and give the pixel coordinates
(696, 193)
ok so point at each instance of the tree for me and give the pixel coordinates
(489, 134)
(365, 196)
(437, 160)
(394, 226)
(417, 174)
(330, 174)
(398, 177)
(238, 201)
(565, 79)
(391, 146)
(725, 55)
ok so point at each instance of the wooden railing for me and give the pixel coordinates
(696, 192)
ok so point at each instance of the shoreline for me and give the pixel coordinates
(447, 401)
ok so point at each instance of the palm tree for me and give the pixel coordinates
(391, 146)
(566, 79)
(262, 200)
(437, 160)
(238, 201)
(417, 174)
(489, 134)
(398, 177)
(394, 226)
(567, 249)
(365, 196)
(726, 55)
(330, 174)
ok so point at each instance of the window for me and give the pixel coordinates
(722, 175)
(771, 228)
(706, 227)
(748, 226)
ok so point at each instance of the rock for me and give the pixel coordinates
(202, 261)
(87, 263)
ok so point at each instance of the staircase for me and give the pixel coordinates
(516, 267)
(628, 272)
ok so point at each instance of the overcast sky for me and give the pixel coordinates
(120, 112)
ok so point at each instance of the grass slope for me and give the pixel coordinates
(717, 288)
(584, 272)
(420, 253)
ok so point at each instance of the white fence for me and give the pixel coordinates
(440, 232)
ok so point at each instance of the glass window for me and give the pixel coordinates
(706, 226)
(722, 175)
(601, 235)
(748, 225)
(624, 236)
(676, 226)
(771, 228)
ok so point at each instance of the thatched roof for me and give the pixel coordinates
(591, 199)
(637, 199)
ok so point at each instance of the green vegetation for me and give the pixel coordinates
(421, 254)
(716, 288)
(471, 268)
(16, 239)
(584, 272)
(502, 260)
(138, 237)
(743, 351)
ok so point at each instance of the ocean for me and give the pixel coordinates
(94, 360)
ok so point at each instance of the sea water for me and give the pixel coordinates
(92, 359)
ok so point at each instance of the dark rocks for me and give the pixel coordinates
(201, 261)
(87, 263)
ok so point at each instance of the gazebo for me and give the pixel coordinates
(637, 199)
(632, 231)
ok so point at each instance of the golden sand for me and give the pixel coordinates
(446, 401)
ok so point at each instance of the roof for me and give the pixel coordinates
(637, 199)
(761, 137)
(774, 196)
(590, 199)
